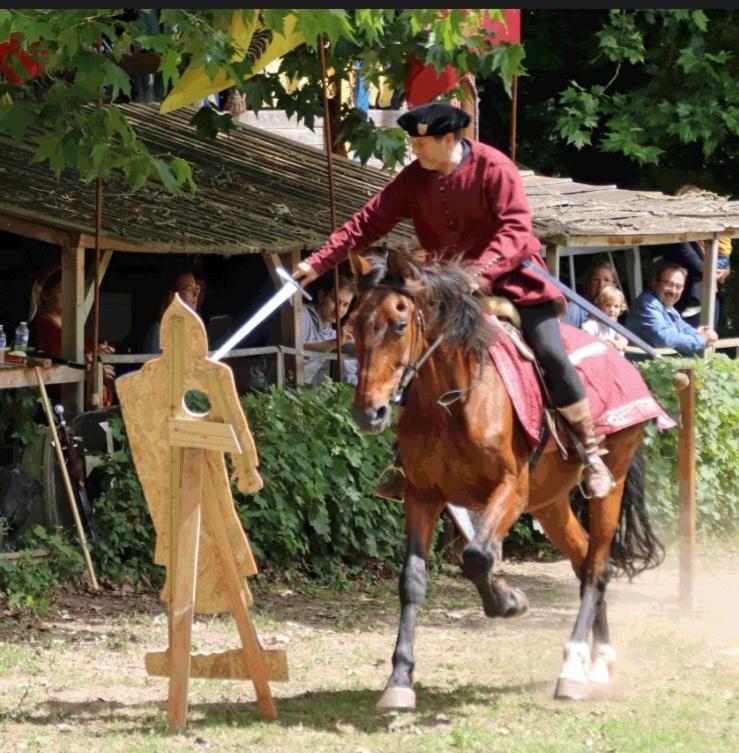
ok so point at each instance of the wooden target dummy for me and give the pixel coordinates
(199, 538)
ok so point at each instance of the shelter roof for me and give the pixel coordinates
(259, 192)
(569, 213)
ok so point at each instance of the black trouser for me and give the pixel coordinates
(541, 330)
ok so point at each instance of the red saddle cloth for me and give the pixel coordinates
(617, 394)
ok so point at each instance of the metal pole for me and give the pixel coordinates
(96, 396)
(514, 118)
(328, 142)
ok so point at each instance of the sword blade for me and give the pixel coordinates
(595, 312)
(283, 294)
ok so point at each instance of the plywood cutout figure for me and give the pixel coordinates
(199, 537)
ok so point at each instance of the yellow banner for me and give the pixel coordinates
(261, 45)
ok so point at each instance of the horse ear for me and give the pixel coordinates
(403, 264)
(359, 265)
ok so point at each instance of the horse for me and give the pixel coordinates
(418, 329)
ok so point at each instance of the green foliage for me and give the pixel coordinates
(124, 547)
(71, 130)
(18, 412)
(717, 443)
(673, 80)
(28, 584)
(317, 508)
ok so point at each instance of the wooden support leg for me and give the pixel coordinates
(182, 600)
(253, 653)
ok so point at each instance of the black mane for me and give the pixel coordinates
(444, 291)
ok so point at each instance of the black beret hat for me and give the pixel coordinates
(433, 119)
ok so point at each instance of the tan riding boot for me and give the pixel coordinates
(596, 480)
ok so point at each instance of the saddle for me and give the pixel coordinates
(616, 392)
(553, 425)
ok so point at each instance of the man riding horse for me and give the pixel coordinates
(466, 199)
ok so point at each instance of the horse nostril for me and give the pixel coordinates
(369, 418)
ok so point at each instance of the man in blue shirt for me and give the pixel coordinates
(654, 318)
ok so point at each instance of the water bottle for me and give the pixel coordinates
(20, 345)
(3, 343)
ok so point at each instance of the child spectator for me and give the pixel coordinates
(610, 300)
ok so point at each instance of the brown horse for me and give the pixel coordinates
(459, 441)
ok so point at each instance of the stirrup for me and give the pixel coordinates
(391, 489)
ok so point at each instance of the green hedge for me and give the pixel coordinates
(717, 443)
(317, 513)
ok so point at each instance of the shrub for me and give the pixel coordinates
(717, 442)
(27, 584)
(317, 506)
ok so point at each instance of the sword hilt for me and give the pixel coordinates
(288, 278)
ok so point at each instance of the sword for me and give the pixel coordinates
(285, 293)
(595, 312)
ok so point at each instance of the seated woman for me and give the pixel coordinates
(598, 276)
(319, 333)
(189, 290)
(46, 331)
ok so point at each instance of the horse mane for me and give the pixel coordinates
(444, 289)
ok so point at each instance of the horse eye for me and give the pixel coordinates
(401, 306)
(401, 326)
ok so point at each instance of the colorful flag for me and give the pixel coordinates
(16, 65)
(508, 32)
(263, 46)
(423, 83)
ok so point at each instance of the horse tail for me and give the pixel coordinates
(635, 546)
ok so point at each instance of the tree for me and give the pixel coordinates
(86, 56)
(659, 87)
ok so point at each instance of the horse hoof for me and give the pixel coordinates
(521, 603)
(570, 690)
(397, 699)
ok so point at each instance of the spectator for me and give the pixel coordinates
(45, 330)
(691, 255)
(319, 333)
(655, 319)
(187, 287)
(598, 277)
(611, 302)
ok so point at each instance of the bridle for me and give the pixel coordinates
(412, 369)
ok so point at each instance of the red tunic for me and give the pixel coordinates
(479, 211)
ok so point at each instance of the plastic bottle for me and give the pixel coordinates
(20, 344)
(3, 343)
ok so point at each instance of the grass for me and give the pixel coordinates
(79, 684)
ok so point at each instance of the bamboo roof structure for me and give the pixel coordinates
(263, 193)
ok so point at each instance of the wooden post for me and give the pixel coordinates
(182, 602)
(291, 316)
(73, 320)
(552, 259)
(65, 477)
(708, 290)
(684, 381)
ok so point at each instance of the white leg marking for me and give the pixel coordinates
(603, 658)
(576, 662)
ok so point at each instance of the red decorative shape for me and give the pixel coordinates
(615, 389)
(11, 51)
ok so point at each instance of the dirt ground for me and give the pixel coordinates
(76, 680)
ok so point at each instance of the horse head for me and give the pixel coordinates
(405, 308)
